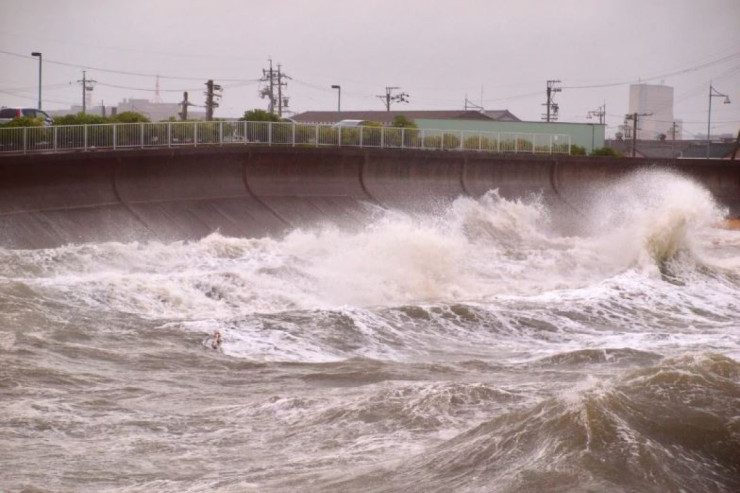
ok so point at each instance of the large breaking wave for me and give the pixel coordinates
(480, 348)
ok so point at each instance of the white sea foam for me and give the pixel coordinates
(489, 253)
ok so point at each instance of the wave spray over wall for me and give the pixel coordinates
(479, 348)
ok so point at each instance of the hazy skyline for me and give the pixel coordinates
(496, 53)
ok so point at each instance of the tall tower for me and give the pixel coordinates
(656, 103)
(157, 95)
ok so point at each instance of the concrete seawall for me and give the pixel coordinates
(47, 200)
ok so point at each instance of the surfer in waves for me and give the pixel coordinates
(216, 341)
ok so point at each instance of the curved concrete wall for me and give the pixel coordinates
(179, 194)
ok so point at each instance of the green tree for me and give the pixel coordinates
(606, 151)
(400, 121)
(129, 117)
(257, 115)
(577, 150)
(80, 119)
(23, 121)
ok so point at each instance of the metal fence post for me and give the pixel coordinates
(339, 137)
(169, 134)
(292, 138)
(115, 134)
(221, 133)
(195, 134)
(84, 137)
(25, 139)
(317, 133)
(141, 127)
(422, 138)
(55, 137)
(269, 133)
(382, 137)
(403, 137)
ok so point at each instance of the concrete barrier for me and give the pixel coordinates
(179, 194)
(302, 186)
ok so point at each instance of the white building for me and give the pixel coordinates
(156, 111)
(654, 106)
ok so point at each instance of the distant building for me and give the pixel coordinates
(654, 105)
(156, 111)
(590, 136)
(669, 149)
(386, 117)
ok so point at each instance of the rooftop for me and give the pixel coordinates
(386, 117)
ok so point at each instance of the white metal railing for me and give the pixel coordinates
(221, 133)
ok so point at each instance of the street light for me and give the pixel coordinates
(339, 97)
(38, 54)
(713, 93)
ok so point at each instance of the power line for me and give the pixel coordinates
(661, 76)
(112, 71)
(33, 98)
(49, 87)
(401, 97)
(116, 86)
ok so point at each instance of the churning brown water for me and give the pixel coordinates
(476, 350)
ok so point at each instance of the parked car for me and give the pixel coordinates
(349, 123)
(10, 114)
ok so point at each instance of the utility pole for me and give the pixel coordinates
(550, 105)
(674, 127)
(274, 79)
(282, 102)
(635, 117)
(280, 91)
(272, 90)
(87, 86)
(600, 113)
(84, 89)
(713, 93)
(185, 103)
(211, 104)
(339, 100)
(269, 91)
(388, 97)
(41, 56)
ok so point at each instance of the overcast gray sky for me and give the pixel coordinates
(500, 53)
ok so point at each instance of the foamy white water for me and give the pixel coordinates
(407, 354)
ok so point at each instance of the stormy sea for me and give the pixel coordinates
(481, 347)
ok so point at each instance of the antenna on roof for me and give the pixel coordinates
(157, 95)
(469, 105)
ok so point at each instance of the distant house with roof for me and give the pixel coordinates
(387, 117)
(499, 123)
